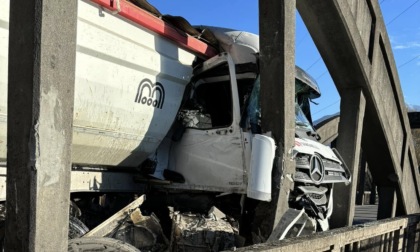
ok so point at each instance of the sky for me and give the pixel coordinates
(402, 19)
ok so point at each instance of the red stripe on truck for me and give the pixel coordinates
(153, 23)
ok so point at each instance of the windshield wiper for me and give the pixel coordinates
(299, 123)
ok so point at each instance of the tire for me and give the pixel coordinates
(76, 228)
(91, 244)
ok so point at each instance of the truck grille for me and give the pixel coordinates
(332, 171)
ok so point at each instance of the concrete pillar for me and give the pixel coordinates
(348, 144)
(277, 62)
(387, 202)
(362, 181)
(42, 44)
(372, 199)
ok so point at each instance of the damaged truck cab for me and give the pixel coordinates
(214, 152)
(217, 144)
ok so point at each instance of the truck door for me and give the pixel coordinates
(210, 154)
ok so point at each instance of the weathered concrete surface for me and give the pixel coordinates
(328, 129)
(387, 202)
(414, 118)
(360, 193)
(351, 122)
(416, 140)
(352, 40)
(386, 235)
(277, 61)
(42, 49)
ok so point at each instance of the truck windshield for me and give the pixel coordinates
(254, 112)
(301, 120)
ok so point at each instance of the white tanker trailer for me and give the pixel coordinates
(169, 109)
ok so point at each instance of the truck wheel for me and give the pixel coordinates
(76, 228)
(99, 244)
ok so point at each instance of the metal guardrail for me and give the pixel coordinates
(397, 234)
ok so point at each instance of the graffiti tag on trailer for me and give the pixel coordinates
(150, 94)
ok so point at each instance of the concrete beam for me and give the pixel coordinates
(277, 61)
(328, 129)
(362, 181)
(414, 118)
(42, 49)
(350, 130)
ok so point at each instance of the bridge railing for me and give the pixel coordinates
(397, 234)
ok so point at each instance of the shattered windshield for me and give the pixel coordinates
(254, 112)
(301, 120)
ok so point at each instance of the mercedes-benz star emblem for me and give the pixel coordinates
(317, 171)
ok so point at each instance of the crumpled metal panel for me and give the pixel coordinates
(199, 233)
